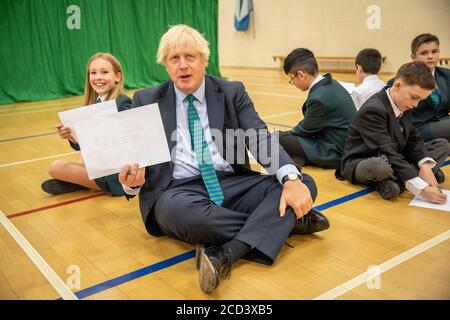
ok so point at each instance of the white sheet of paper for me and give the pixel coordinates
(108, 142)
(419, 202)
(70, 117)
(349, 86)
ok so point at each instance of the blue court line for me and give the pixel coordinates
(28, 137)
(188, 255)
(134, 275)
(347, 198)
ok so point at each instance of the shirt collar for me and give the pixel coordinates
(397, 112)
(199, 94)
(371, 77)
(317, 79)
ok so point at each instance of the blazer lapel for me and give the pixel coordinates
(215, 102)
(167, 105)
(394, 123)
(443, 88)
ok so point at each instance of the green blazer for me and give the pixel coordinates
(426, 111)
(328, 112)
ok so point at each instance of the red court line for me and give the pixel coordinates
(18, 214)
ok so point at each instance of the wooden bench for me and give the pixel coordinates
(336, 59)
(443, 60)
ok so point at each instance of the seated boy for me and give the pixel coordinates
(431, 117)
(368, 64)
(319, 138)
(384, 149)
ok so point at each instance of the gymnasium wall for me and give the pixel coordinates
(331, 28)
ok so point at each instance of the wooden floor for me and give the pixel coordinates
(105, 238)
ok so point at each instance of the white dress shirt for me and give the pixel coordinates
(317, 79)
(417, 184)
(369, 86)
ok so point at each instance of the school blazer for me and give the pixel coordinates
(328, 112)
(426, 111)
(376, 131)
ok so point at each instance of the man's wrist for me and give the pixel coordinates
(292, 176)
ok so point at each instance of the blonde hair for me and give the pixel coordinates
(182, 36)
(90, 96)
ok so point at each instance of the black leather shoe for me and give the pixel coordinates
(199, 251)
(215, 263)
(440, 176)
(388, 189)
(57, 187)
(313, 221)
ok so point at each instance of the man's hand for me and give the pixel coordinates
(427, 175)
(65, 132)
(132, 176)
(297, 196)
(434, 195)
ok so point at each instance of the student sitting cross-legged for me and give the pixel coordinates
(431, 117)
(384, 149)
(319, 138)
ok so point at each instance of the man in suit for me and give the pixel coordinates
(384, 149)
(431, 117)
(207, 194)
(319, 138)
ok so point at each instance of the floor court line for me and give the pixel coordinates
(160, 265)
(139, 273)
(11, 164)
(51, 133)
(59, 204)
(134, 275)
(279, 125)
(188, 255)
(28, 137)
(274, 94)
(385, 266)
(38, 261)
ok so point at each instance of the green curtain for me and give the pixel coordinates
(41, 58)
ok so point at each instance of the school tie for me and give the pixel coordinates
(436, 98)
(98, 100)
(400, 123)
(200, 147)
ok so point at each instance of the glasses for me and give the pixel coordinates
(292, 79)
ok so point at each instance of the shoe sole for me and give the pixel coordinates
(199, 250)
(208, 275)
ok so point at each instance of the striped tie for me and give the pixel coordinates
(436, 98)
(201, 150)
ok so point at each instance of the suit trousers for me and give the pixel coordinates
(437, 129)
(292, 146)
(376, 169)
(249, 213)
